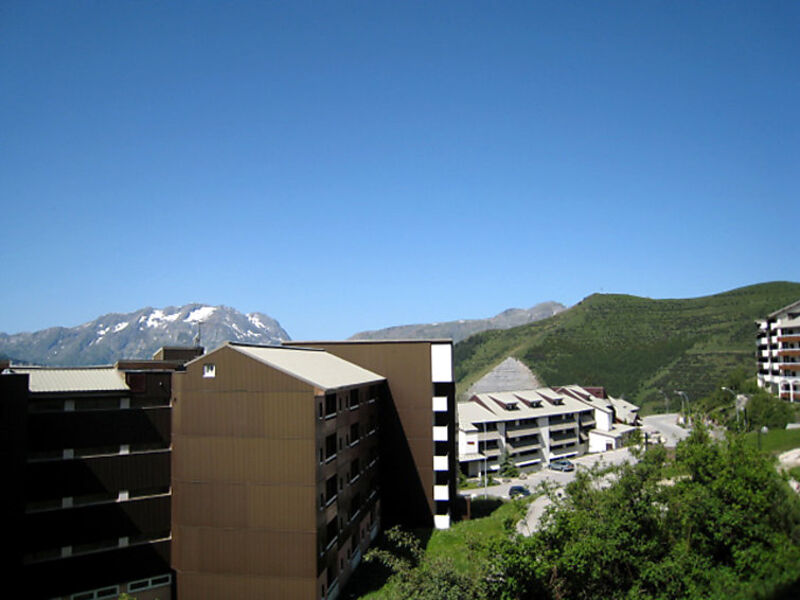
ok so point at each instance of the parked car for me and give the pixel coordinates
(562, 464)
(518, 490)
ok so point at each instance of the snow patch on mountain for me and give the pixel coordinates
(200, 314)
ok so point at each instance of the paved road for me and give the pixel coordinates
(558, 478)
(667, 426)
(614, 457)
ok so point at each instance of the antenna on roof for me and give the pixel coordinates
(197, 337)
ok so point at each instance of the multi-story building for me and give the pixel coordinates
(283, 462)
(86, 456)
(778, 354)
(419, 458)
(252, 471)
(534, 427)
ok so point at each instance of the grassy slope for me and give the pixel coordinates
(634, 346)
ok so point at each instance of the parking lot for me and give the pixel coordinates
(560, 478)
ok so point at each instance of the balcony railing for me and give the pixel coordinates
(441, 492)
(440, 463)
(520, 430)
(562, 426)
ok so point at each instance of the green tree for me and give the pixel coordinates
(507, 466)
(719, 522)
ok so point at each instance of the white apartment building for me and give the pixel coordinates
(535, 427)
(778, 352)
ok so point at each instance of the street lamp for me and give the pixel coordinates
(666, 401)
(485, 461)
(736, 404)
(684, 396)
(764, 429)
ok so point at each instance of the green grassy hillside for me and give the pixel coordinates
(634, 346)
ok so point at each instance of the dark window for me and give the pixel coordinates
(330, 446)
(330, 489)
(332, 530)
(354, 433)
(353, 398)
(354, 469)
(330, 404)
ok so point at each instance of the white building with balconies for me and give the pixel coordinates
(534, 427)
(778, 352)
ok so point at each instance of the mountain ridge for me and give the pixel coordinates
(138, 334)
(463, 328)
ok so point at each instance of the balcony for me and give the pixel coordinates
(494, 451)
(788, 339)
(440, 433)
(789, 366)
(521, 430)
(491, 434)
(440, 463)
(561, 426)
(523, 446)
(789, 352)
(441, 492)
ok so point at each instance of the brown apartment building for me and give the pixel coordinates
(287, 460)
(85, 454)
(419, 458)
(250, 472)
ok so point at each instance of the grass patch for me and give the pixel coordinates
(462, 542)
(775, 441)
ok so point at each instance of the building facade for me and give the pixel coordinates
(89, 449)
(288, 460)
(419, 456)
(778, 352)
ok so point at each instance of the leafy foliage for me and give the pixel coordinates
(421, 578)
(727, 527)
(634, 346)
(762, 409)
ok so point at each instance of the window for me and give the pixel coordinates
(355, 471)
(330, 489)
(330, 446)
(354, 433)
(330, 405)
(354, 398)
(209, 370)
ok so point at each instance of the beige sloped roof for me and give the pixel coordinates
(315, 367)
(93, 379)
(490, 407)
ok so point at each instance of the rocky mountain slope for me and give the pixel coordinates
(139, 334)
(459, 330)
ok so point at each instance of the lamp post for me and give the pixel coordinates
(684, 396)
(485, 461)
(666, 401)
(732, 393)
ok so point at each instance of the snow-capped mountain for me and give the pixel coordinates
(139, 334)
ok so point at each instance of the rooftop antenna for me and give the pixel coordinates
(197, 337)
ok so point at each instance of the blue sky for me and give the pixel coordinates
(344, 166)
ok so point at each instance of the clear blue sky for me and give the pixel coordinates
(352, 165)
